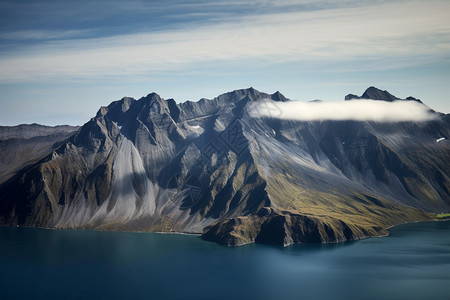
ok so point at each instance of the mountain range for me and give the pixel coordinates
(212, 168)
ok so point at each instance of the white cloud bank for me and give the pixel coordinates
(358, 110)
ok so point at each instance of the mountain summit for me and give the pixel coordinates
(374, 93)
(210, 167)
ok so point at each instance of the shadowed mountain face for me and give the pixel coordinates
(209, 167)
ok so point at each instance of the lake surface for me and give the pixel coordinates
(412, 263)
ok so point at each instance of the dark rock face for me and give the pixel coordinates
(377, 94)
(283, 228)
(209, 167)
(374, 93)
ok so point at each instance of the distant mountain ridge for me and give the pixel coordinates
(209, 167)
(25, 143)
(27, 131)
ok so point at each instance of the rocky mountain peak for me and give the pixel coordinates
(374, 93)
(279, 97)
(351, 97)
(154, 102)
(151, 97)
(237, 95)
(116, 108)
(377, 94)
(244, 96)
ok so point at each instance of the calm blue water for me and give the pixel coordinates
(412, 263)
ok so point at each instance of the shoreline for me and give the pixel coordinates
(404, 223)
(238, 245)
(102, 230)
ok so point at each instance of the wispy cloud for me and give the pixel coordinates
(28, 35)
(416, 30)
(358, 110)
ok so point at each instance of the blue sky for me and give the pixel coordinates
(61, 60)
